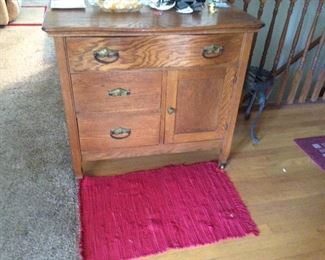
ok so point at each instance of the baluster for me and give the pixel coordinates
(259, 15)
(246, 3)
(283, 36)
(310, 74)
(299, 72)
(269, 34)
(261, 9)
(297, 57)
(292, 53)
(320, 82)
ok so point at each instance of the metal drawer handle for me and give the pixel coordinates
(120, 133)
(118, 92)
(212, 51)
(106, 55)
(171, 110)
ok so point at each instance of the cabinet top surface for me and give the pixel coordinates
(93, 21)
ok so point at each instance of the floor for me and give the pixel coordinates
(283, 189)
(38, 195)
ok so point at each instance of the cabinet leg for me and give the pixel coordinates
(222, 165)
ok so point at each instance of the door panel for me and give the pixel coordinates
(196, 104)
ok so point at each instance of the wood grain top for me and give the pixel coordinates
(92, 21)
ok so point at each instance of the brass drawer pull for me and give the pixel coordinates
(212, 51)
(120, 133)
(118, 92)
(106, 55)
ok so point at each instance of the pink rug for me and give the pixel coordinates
(148, 212)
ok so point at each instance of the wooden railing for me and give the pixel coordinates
(306, 85)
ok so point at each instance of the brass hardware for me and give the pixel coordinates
(171, 110)
(106, 55)
(212, 51)
(120, 133)
(118, 92)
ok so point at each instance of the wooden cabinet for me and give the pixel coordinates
(158, 84)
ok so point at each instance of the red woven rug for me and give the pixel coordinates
(147, 212)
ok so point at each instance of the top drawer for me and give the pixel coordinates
(116, 53)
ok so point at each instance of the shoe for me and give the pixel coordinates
(186, 10)
(197, 6)
(183, 7)
(162, 5)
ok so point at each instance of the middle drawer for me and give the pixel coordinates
(117, 91)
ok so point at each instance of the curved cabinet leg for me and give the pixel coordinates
(222, 165)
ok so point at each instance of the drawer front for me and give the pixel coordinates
(117, 91)
(116, 53)
(100, 132)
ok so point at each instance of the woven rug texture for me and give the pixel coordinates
(148, 212)
(314, 147)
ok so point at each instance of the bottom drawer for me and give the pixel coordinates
(100, 132)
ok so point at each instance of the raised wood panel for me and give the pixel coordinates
(200, 112)
(152, 51)
(91, 91)
(95, 130)
(198, 92)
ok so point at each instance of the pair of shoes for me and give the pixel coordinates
(187, 7)
(162, 5)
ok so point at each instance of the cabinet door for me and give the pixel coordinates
(197, 104)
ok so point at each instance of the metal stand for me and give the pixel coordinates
(258, 85)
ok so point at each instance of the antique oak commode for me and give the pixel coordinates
(149, 83)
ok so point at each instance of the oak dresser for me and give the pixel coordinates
(147, 83)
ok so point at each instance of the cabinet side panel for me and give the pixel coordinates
(236, 94)
(66, 90)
